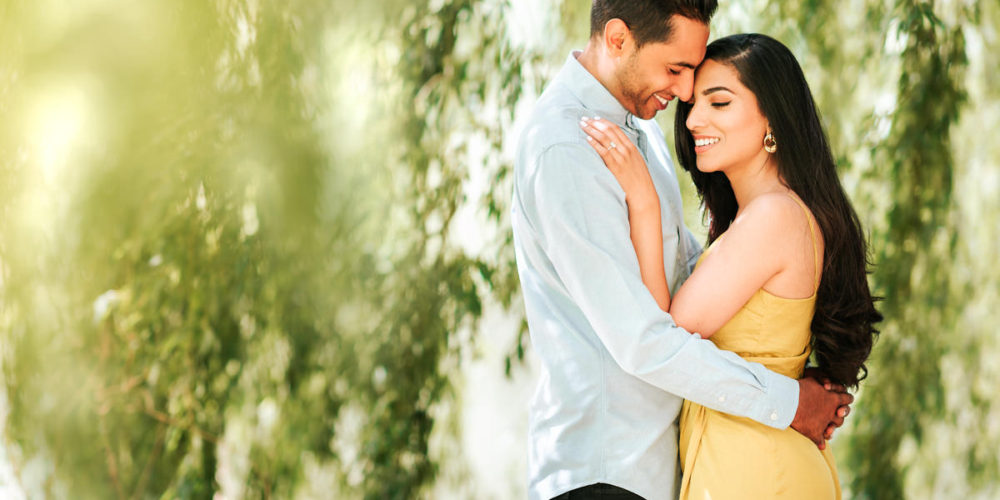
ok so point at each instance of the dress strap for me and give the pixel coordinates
(812, 233)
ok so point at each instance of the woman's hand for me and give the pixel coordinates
(624, 161)
(645, 230)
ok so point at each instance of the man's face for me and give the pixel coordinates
(650, 77)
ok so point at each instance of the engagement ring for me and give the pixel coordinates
(612, 145)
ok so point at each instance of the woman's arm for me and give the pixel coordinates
(759, 245)
(645, 229)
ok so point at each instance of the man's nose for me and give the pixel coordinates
(683, 87)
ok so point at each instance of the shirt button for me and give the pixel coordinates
(722, 399)
(774, 416)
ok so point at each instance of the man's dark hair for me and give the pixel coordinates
(649, 20)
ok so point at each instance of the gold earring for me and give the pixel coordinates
(770, 143)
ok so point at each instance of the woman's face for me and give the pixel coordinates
(727, 125)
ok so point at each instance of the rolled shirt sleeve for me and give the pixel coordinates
(580, 218)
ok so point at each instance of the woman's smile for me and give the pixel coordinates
(703, 143)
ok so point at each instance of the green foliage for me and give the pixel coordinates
(906, 393)
(455, 87)
(186, 272)
(219, 298)
(244, 245)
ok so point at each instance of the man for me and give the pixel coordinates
(614, 366)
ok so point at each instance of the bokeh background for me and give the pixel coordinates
(260, 249)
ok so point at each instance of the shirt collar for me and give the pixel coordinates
(594, 96)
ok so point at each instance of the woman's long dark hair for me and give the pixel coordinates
(843, 327)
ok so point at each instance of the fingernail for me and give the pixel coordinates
(590, 139)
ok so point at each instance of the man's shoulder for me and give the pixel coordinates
(555, 121)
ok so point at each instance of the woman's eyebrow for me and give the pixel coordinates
(716, 89)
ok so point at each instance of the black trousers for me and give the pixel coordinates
(599, 491)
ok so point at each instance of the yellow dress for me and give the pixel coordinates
(725, 457)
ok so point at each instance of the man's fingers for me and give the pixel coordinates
(817, 436)
(829, 431)
(845, 398)
(817, 442)
(817, 411)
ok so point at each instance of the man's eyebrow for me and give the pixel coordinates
(716, 89)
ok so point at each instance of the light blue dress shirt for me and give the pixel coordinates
(614, 367)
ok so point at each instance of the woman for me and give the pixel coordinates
(785, 274)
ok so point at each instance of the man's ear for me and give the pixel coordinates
(616, 37)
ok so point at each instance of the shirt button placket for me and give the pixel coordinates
(640, 137)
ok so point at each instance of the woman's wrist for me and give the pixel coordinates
(641, 203)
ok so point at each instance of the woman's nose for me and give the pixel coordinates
(694, 119)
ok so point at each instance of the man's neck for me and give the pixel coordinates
(598, 64)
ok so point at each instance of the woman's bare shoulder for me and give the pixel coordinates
(770, 215)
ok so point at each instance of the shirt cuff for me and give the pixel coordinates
(782, 401)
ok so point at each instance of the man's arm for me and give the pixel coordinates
(578, 210)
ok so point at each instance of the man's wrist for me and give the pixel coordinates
(782, 401)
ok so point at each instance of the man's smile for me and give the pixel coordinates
(663, 102)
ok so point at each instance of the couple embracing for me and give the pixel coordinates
(667, 370)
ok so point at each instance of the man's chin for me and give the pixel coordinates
(647, 114)
(643, 109)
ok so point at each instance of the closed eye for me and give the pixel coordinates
(674, 71)
(720, 104)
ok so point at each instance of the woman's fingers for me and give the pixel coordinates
(609, 145)
(614, 133)
(605, 146)
(617, 134)
(598, 133)
(622, 159)
(604, 152)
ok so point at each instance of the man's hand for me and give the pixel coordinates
(843, 411)
(820, 410)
